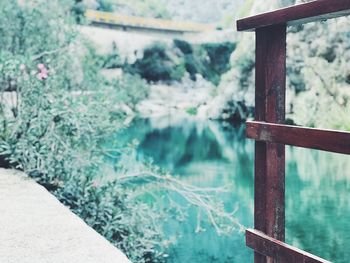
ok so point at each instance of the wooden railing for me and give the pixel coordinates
(270, 133)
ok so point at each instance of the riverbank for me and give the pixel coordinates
(182, 99)
(36, 227)
(182, 74)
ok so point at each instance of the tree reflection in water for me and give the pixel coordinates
(216, 154)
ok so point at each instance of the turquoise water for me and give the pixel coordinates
(213, 154)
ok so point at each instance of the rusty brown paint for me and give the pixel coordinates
(325, 140)
(280, 251)
(269, 209)
(298, 14)
(270, 157)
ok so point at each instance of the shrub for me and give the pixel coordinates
(55, 122)
(184, 46)
(54, 133)
(131, 89)
(219, 55)
(158, 64)
(165, 63)
(209, 60)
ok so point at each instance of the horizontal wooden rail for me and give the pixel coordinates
(298, 14)
(278, 250)
(325, 140)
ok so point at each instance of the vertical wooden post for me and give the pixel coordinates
(269, 215)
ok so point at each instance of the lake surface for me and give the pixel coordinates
(216, 154)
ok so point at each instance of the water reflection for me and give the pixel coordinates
(318, 203)
(215, 154)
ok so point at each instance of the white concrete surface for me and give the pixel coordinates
(130, 45)
(36, 228)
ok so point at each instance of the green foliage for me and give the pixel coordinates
(184, 46)
(194, 63)
(219, 58)
(317, 71)
(61, 111)
(112, 211)
(209, 60)
(158, 64)
(112, 60)
(51, 127)
(25, 42)
(105, 5)
(219, 55)
(192, 111)
(131, 89)
(169, 63)
(78, 11)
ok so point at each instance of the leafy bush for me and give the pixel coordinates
(131, 89)
(219, 55)
(210, 60)
(112, 60)
(169, 63)
(78, 11)
(54, 123)
(184, 46)
(158, 64)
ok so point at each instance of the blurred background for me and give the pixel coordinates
(101, 91)
(222, 60)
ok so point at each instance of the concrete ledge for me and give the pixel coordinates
(36, 228)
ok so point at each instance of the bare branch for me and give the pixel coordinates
(51, 52)
(202, 198)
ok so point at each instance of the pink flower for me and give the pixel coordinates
(43, 74)
(44, 71)
(41, 66)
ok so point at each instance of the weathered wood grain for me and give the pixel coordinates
(298, 14)
(325, 140)
(280, 251)
(270, 157)
(272, 135)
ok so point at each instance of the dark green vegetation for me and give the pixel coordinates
(111, 60)
(158, 64)
(170, 63)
